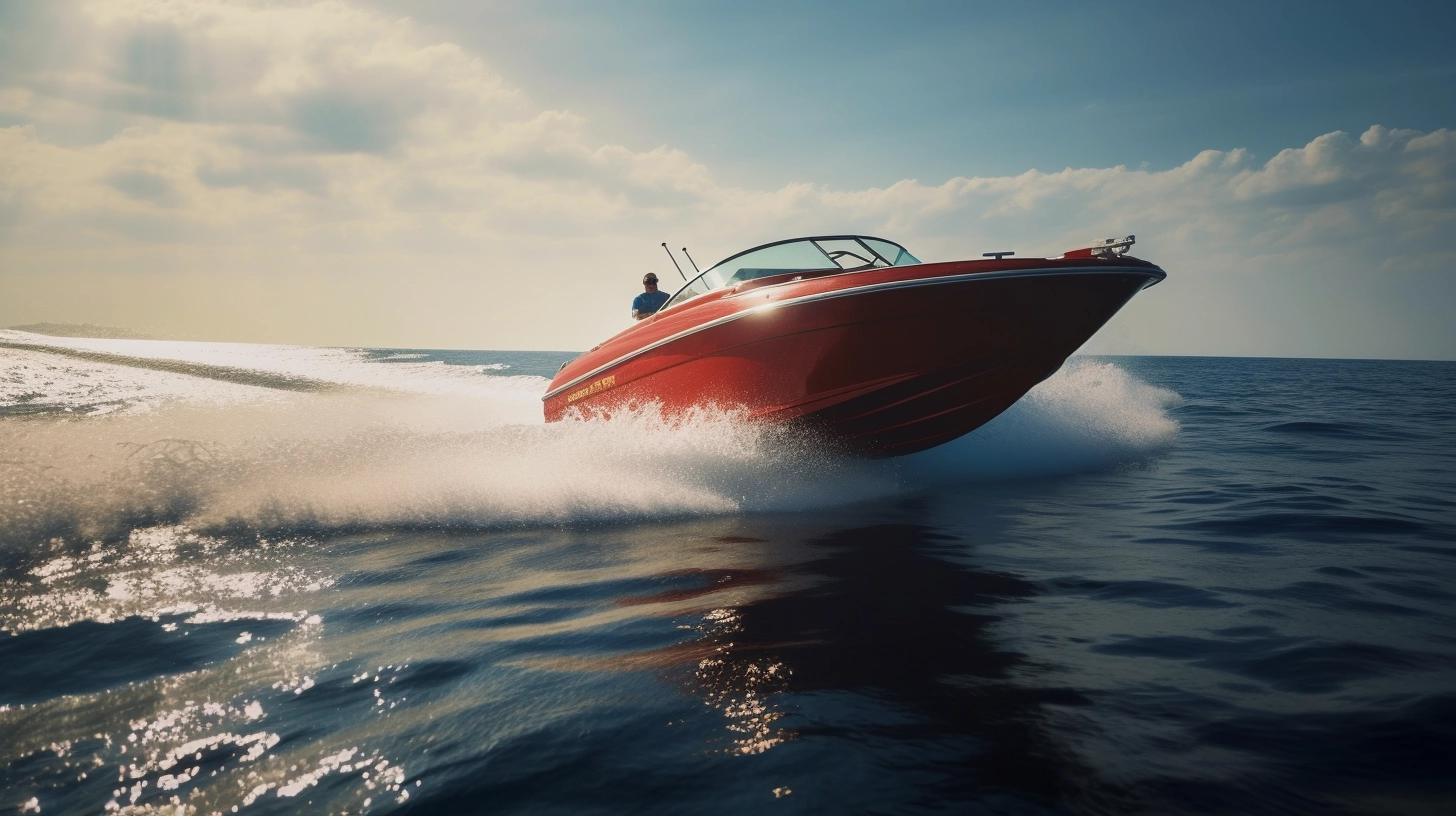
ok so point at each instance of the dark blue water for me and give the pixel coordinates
(1256, 614)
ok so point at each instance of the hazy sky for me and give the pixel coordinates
(457, 173)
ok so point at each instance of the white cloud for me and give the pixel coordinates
(321, 173)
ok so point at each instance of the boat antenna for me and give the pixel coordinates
(691, 261)
(674, 260)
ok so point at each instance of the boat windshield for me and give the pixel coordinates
(844, 252)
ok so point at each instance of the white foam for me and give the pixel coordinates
(438, 445)
(338, 460)
(1088, 416)
(337, 366)
(34, 379)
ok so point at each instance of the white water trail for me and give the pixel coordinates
(426, 445)
(1088, 416)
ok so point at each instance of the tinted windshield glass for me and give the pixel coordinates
(849, 253)
(796, 257)
(839, 252)
(894, 253)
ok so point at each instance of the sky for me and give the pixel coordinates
(467, 174)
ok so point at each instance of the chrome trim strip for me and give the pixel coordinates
(858, 290)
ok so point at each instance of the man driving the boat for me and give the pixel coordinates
(647, 303)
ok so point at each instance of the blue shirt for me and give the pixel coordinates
(649, 302)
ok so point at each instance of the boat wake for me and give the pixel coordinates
(108, 437)
(1088, 416)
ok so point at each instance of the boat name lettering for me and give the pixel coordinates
(600, 385)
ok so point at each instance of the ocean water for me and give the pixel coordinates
(270, 579)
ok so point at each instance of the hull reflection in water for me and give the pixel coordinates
(885, 615)
(870, 645)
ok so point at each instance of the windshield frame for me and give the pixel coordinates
(677, 298)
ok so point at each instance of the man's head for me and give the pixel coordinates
(649, 282)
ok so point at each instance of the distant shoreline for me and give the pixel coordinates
(82, 330)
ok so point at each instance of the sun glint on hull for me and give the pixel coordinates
(885, 362)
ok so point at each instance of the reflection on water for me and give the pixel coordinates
(884, 615)
(808, 663)
(867, 660)
(737, 688)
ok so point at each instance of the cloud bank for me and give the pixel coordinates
(320, 173)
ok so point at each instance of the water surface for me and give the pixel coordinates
(1157, 585)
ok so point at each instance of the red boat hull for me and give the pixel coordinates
(885, 362)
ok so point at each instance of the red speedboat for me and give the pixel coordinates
(854, 337)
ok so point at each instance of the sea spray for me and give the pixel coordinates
(1089, 415)
(353, 460)
(403, 442)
